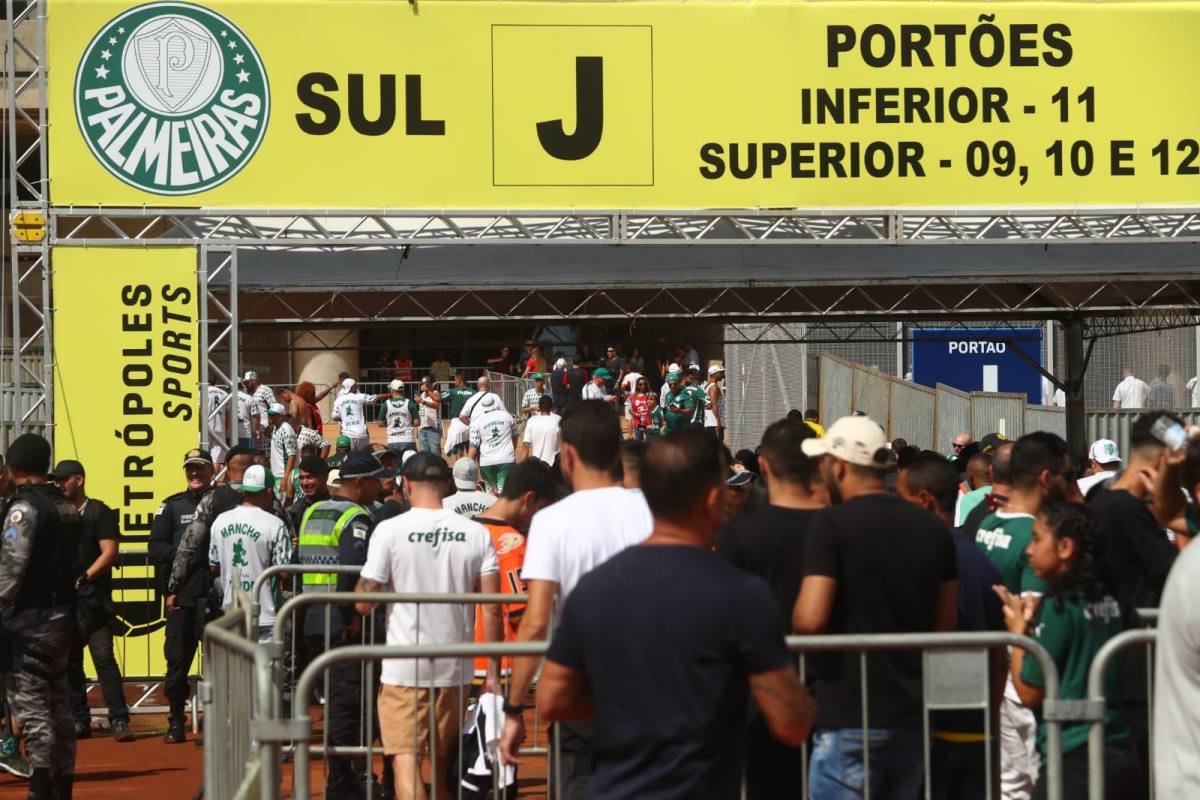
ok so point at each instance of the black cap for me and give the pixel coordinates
(66, 468)
(197, 456)
(429, 467)
(31, 453)
(990, 442)
(360, 464)
(314, 465)
(238, 450)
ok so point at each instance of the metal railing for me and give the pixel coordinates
(1096, 704)
(236, 691)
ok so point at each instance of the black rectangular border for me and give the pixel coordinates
(653, 164)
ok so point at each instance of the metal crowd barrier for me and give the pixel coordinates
(236, 693)
(1096, 704)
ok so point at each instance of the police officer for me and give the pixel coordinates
(336, 531)
(38, 549)
(183, 628)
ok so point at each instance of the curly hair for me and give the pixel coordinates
(307, 391)
(1077, 522)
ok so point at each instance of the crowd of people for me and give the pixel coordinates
(665, 571)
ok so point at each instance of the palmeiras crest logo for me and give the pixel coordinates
(172, 98)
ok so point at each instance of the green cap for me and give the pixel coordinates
(538, 376)
(342, 441)
(601, 372)
(673, 376)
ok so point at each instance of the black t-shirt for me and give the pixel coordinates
(1136, 554)
(576, 377)
(889, 558)
(668, 637)
(99, 522)
(769, 542)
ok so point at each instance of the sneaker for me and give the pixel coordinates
(83, 730)
(15, 764)
(176, 733)
(121, 732)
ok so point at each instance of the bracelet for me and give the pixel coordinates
(511, 710)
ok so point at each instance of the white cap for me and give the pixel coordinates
(466, 474)
(254, 479)
(715, 368)
(855, 440)
(348, 384)
(250, 375)
(396, 385)
(275, 408)
(335, 477)
(560, 364)
(693, 367)
(673, 367)
(1104, 451)
(488, 401)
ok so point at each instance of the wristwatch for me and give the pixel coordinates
(511, 710)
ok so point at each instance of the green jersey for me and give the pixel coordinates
(1072, 636)
(675, 421)
(335, 460)
(697, 401)
(656, 419)
(459, 395)
(1003, 538)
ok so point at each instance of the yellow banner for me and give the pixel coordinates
(126, 373)
(623, 105)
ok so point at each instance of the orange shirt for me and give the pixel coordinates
(510, 553)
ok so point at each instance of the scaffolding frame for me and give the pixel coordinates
(1109, 304)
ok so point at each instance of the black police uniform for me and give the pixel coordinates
(40, 544)
(183, 629)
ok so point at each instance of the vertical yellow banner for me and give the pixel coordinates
(126, 379)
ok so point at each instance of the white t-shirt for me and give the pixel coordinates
(580, 532)
(475, 404)
(1193, 386)
(1132, 393)
(492, 433)
(594, 392)
(249, 539)
(215, 395)
(245, 413)
(349, 411)
(542, 436)
(429, 551)
(263, 398)
(710, 419)
(283, 444)
(429, 416)
(1177, 681)
(469, 503)
(1088, 481)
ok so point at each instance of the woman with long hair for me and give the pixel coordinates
(639, 411)
(306, 410)
(1072, 620)
(535, 362)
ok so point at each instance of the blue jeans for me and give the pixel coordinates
(897, 764)
(431, 440)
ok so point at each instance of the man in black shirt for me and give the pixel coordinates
(662, 644)
(1135, 557)
(98, 547)
(873, 564)
(1001, 471)
(769, 542)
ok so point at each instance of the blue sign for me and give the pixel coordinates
(979, 359)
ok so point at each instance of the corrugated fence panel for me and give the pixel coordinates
(997, 412)
(913, 414)
(872, 395)
(953, 416)
(1115, 425)
(1052, 419)
(763, 381)
(837, 388)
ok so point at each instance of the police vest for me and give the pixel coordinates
(320, 534)
(50, 575)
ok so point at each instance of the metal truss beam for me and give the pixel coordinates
(381, 228)
(218, 326)
(1132, 304)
